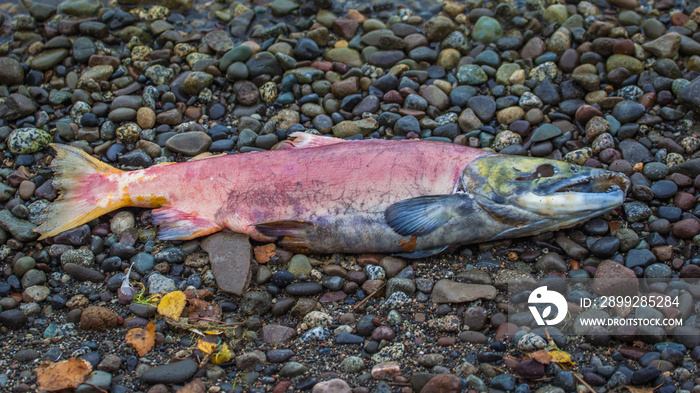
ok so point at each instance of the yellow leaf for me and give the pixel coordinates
(206, 346)
(223, 356)
(172, 304)
(562, 358)
(67, 374)
(142, 339)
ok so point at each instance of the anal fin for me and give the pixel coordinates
(424, 253)
(176, 224)
(294, 233)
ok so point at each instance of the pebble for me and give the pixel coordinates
(98, 318)
(171, 373)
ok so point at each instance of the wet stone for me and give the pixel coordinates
(228, 255)
(664, 189)
(171, 373)
(189, 143)
(11, 72)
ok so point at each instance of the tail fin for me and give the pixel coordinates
(89, 188)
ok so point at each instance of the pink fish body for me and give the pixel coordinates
(321, 194)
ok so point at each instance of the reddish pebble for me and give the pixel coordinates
(345, 27)
(443, 383)
(393, 97)
(332, 297)
(624, 47)
(383, 333)
(587, 112)
(690, 271)
(386, 370)
(648, 100)
(193, 113)
(679, 19)
(569, 60)
(685, 200)
(506, 330)
(663, 253)
(614, 279)
(530, 369)
(369, 259)
(681, 180)
(282, 387)
(322, 65)
(686, 229)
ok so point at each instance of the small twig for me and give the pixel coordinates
(206, 359)
(583, 382)
(96, 387)
(216, 321)
(501, 370)
(363, 301)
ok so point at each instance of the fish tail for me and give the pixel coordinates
(89, 188)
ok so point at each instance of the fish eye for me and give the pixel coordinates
(573, 168)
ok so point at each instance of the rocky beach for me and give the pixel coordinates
(108, 307)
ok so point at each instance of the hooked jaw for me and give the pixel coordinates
(598, 191)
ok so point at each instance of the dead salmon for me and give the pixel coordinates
(328, 195)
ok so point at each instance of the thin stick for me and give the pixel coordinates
(206, 359)
(368, 296)
(96, 387)
(583, 382)
(502, 370)
(217, 322)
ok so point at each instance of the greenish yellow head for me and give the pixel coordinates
(542, 193)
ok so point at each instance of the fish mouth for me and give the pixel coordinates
(597, 190)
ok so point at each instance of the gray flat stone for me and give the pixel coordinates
(230, 256)
(448, 291)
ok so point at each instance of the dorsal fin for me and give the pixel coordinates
(300, 140)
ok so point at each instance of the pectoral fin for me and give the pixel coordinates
(422, 215)
(176, 224)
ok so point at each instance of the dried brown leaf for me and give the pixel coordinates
(263, 254)
(67, 374)
(199, 310)
(142, 339)
(541, 356)
(196, 386)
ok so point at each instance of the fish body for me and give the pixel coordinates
(321, 195)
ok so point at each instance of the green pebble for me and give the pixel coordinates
(630, 63)
(487, 30)
(298, 265)
(240, 53)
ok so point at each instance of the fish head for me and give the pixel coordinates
(538, 195)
